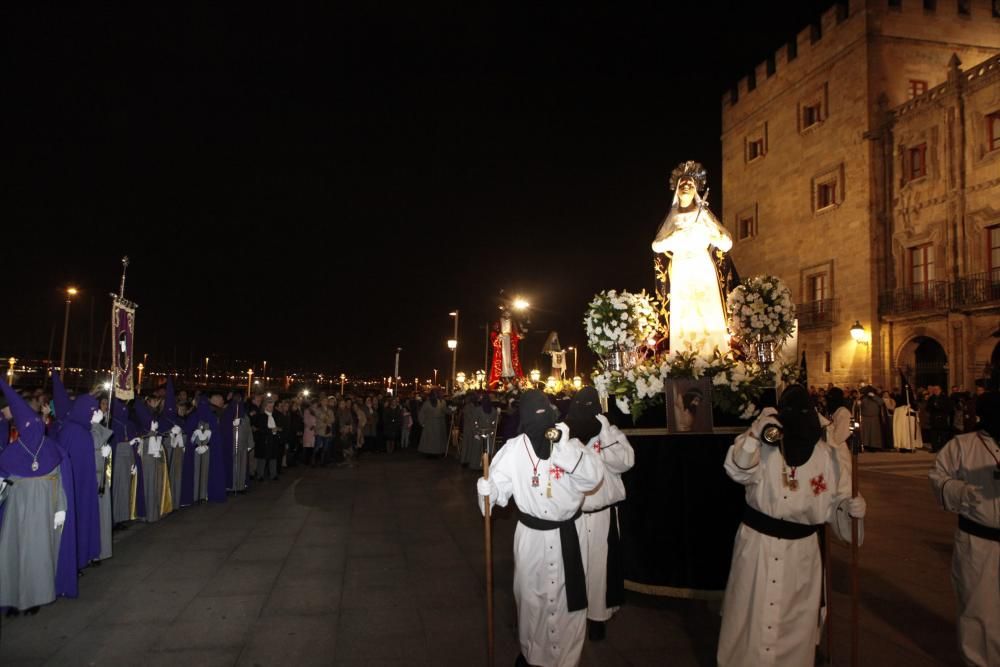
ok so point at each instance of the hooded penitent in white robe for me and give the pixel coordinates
(549, 633)
(966, 478)
(771, 608)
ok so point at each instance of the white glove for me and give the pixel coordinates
(58, 520)
(236, 422)
(154, 425)
(176, 430)
(604, 421)
(135, 441)
(106, 451)
(972, 496)
(97, 417)
(767, 416)
(485, 487)
(201, 449)
(857, 507)
(134, 470)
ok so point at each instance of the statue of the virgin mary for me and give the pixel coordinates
(688, 236)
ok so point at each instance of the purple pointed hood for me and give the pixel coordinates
(143, 415)
(83, 410)
(17, 458)
(60, 397)
(168, 417)
(121, 424)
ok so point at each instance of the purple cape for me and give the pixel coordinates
(217, 461)
(60, 397)
(75, 438)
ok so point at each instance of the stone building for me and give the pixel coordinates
(861, 164)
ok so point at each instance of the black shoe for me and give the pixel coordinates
(32, 611)
(595, 630)
(11, 613)
(96, 562)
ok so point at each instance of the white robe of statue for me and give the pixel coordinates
(697, 314)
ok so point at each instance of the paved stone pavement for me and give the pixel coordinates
(382, 564)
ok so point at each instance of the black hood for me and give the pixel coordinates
(988, 411)
(537, 416)
(800, 422)
(582, 416)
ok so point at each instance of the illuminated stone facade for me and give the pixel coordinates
(815, 144)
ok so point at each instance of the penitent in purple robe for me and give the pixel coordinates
(76, 439)
(35, 463)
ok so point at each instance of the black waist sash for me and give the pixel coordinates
(979, 530)
(569, 542)
(785, 530)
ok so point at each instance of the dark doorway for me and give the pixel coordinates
(931, 363)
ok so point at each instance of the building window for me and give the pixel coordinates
(964, 7)
(993, 243)
(812, 115)
(816, 286)
(827, 362)
(917, 162)
(917, 87)
(746, 223)
(828, 189)
(756, 143)
(921, 269)
(755, 149)
(993, 131)
(826, 195)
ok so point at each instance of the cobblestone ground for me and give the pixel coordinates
(382, 564)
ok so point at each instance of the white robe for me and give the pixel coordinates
(771, 608)
(617, 455)
(906, 429)
(975, 566)
(550, 635)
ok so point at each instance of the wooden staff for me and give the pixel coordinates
(855, 531)
(828, 583)
(489, 560)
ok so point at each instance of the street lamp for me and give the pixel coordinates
(140, 368)
(573, 347)
(249, 381)
(520, 304)
(342, 378)
(453, 346)
(858, 333)
(10, 371)
(70, 293)
(206, 370)
(264, 373)
(435, 377)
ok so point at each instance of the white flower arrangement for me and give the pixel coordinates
(736, 386)
(624, 320)
(761, 308)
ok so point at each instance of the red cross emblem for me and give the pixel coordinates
(556, 471)
(818, 485)
(597, 446)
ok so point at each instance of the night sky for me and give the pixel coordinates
(316, 187)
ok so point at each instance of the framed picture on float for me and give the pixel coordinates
(689, 405)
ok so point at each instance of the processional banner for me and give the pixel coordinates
(122, 338)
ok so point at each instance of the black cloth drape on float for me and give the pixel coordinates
(681, 512)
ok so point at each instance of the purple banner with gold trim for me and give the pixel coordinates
(122, 339)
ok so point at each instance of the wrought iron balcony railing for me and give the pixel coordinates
(816, 314)
(929, 296)
(979, 288)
